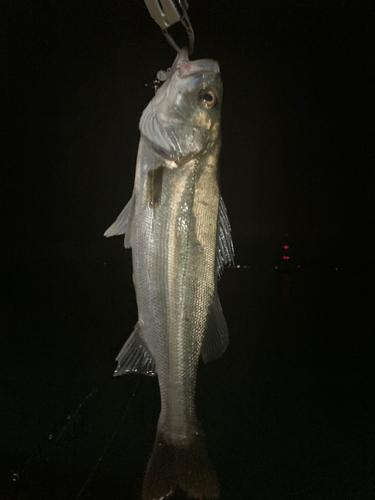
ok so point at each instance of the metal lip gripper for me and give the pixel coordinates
(166, 13)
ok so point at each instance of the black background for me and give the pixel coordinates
(285, 409)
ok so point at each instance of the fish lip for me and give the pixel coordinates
(186, 68)
(191, 68)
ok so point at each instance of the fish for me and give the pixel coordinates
(177, 226)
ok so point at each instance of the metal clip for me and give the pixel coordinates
(169, 12)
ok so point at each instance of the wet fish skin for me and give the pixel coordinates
(179, 242)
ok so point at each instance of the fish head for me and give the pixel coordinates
(183, 118)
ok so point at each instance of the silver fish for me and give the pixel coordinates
(177, 226)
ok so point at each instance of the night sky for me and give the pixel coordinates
(287, 408)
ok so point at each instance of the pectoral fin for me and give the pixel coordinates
(154, 186)
(135, 356)
(216, 337)
(224, 246)
(122, 223)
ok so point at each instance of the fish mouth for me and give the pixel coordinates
(186, 68)
(202, 66)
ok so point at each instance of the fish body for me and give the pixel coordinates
(177, 227)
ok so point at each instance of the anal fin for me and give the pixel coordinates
(135, 356)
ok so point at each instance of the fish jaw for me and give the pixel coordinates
(186, 68)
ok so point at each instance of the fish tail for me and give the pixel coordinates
(184, 466)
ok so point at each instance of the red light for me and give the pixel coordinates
(285, 257)
(286, 247)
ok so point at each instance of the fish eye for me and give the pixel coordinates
(209, 99)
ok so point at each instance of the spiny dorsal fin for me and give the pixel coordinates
(224, 246)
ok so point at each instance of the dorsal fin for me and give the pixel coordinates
(216, 337)
(224, 246)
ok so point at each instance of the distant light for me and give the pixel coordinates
(285, 257)
(276, 267)
(336, 268)
(238, 266)
(285, 247)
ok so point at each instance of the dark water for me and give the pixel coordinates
(285, 410)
